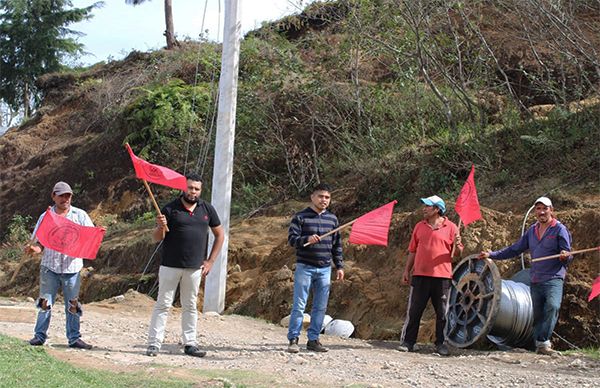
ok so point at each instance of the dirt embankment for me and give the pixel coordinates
(260, 279)
(373, 297)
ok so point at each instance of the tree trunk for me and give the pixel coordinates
(26, 101)
(169, 32)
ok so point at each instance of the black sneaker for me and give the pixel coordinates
(293, 346)
(404, 347)
(35, 341)
(442, 350)
(152, 351)
(79, 344)
(316, 346)
(194, 351)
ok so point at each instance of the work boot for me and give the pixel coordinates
(316, 346)
(193, 351)
(293, 346)
(404, 347)
(79, 344)
(442, 350)
(152, 351)
(35, 341)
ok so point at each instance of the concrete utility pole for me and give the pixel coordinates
(214, 289)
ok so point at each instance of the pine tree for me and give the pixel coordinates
(34, 39)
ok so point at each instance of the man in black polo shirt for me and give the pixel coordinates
(183, 262)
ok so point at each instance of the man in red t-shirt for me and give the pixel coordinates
(429, 269)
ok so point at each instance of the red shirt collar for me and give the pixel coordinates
(444, 223)
(537, 227)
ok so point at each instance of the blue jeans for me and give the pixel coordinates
(50, 282)
(305, 278)
(546, 298)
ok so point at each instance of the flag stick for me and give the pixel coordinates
(154, 202)
(454, 243)
(347, 224)
(570, 253)
(23, 261)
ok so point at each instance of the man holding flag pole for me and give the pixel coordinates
(315, 234)
(184, 262)
(429, 272)
(182, 226)
(547, 236)
(316, 249)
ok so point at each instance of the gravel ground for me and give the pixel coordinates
(252, 352)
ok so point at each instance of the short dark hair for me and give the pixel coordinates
(194, 177)
(322, 187)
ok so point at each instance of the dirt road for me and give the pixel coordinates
(243, 350)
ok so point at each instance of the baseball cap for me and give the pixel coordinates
(436, 201)
(545, 200)
(62, 188)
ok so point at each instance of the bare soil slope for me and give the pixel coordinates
(260, 280)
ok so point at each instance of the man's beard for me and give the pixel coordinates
(189, 201)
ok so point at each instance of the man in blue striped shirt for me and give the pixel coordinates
(314, 254)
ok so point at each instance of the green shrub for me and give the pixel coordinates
(18, 233)
(161, 118)
(145, 219)
(18, 229)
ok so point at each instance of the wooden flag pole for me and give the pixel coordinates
(347, 224)
(454, 243)
(570, 253)
(23, 261)
(154, 202)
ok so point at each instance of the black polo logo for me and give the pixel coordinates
(63, 236)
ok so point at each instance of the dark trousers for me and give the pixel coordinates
(423, 288)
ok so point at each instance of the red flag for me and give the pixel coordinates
(595, 289)
(372, 228)
(65, 236)
(157, 174)
(467, 204)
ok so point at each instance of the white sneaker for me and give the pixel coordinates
(546, 351)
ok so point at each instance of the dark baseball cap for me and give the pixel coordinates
(62, 188)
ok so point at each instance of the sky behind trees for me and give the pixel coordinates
(118, 28)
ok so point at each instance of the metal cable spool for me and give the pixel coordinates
(482, 304)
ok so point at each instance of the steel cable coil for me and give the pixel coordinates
(481, 304)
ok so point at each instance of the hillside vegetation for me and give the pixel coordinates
(383, 99)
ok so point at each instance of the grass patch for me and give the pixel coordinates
(239, 378)
(22, 365)
(588, 352)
